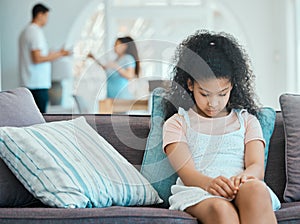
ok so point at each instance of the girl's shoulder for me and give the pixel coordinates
(248, 118)
(246, 115)
(176, 120)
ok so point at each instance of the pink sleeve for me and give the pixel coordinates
(253, 129)
(174, 130)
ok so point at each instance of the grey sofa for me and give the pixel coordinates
(108, 126)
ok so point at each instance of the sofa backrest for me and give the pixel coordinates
(128, 134)
(275, 175)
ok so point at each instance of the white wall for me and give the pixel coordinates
(264, 25)
(15, 14)
(0, 69)
(263, 21)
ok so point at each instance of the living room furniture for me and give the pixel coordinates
(114, 130)
(128, 134)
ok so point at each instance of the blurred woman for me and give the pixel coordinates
(121, 70)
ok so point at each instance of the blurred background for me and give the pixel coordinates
(268, 30)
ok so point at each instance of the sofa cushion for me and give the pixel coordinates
(126, 133)
(156, 167)
(68, 164)
(267, 118)
(290, 107)
(110, 215)
(17, 108)
(288, 213)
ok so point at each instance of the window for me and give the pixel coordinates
(156, 25)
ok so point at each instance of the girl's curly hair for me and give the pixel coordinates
(205, 55)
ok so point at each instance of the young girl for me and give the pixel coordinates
(124, 68)
(212, 137)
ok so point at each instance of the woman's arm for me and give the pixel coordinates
(181, 160)
(128, 73)
(90, 55)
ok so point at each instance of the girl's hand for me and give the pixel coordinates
(240, 179)
(222, 186)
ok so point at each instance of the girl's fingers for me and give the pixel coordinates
(214, 192)
(228, 187)
(222, 186)
(223, 191)
(217, 190)
(230, 184)
(244, 178)
(238, 180)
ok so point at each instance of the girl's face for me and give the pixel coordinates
(120, 48)
(211, 96)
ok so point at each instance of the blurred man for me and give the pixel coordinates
(35, 58)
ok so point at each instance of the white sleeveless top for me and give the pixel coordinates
(213, 155)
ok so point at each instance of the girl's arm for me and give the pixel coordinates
(181, 160)
(254, 163)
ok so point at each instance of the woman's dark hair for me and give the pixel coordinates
(39, 8)
(205, 55)
(132, 50)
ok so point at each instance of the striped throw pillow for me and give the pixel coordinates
(68, 164)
